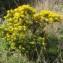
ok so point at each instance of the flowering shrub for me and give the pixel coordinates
(47, 16)
(20, 30)
(23, 29)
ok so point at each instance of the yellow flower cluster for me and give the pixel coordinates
(16, 23)
(47, 16)
(21, 11)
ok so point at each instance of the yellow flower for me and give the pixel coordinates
(16, 10)
(53, 14)
(44, 12)
(17, 15)
(16, 28)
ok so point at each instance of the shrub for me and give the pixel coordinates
(24, 29)
(47, 16)
(20, 30)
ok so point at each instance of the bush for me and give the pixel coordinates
(20, 30)
(47, 16)
(25, 30)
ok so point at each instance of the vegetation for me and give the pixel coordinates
(25, 30)
(28, 34)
